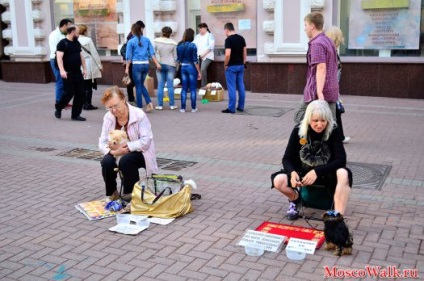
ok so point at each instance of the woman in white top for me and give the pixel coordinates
(166, 50)
(205, 43)
(94, 66)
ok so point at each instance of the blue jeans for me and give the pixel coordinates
(139, 74)
(166, 74)
(234, 76)
(189, 81)
(59, 81)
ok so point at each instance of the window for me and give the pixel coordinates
(98, 15)
(372, 29)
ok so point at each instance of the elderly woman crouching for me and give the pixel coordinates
(135, 153)
(314, 155)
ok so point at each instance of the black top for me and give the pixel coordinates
(291, 159)
(71, 54)
(236, 43)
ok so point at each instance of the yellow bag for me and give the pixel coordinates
(144, 202)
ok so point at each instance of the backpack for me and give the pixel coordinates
(55, 53)
(123, 51)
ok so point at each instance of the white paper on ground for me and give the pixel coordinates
(202, 92)
(129, 229)
(161, 221)
(257, 239)
(301, 245)
(177, 91)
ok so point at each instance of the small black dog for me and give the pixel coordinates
(337, 234)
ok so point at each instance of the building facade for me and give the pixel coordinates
(383, 54)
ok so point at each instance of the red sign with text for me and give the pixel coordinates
(293, 231)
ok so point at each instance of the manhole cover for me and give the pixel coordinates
(82, 153)
(174, 165)
(266, 111)
(163, 163)
(368, 176)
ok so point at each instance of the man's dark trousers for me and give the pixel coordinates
(73, 87)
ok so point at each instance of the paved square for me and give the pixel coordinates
(43, 237)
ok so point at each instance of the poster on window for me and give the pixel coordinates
(242, 13)
(384, 25)
(101, 17)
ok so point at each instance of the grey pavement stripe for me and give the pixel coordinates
(387, 113)
(25, 103)
(37, 141)
(60, 145)
(357, 194)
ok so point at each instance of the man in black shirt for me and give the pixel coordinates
(235, 59)
(69, 60)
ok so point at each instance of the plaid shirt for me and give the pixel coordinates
(321, 50)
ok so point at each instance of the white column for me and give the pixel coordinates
(24, 41)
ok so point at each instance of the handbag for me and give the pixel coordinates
(94, 84)
(152, 64)
(340, 106)
(178, 71)
(126, 80)
(145, 202)
(168, 183)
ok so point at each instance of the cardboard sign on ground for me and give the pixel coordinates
(293, 231)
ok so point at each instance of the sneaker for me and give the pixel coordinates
(58, 114)
(240, 110)
(194, 110)
(346, 140)
(133, 103)
(159, 107)
(173, 107)
(292, 212)
(182, 110)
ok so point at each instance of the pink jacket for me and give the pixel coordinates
(139, 133)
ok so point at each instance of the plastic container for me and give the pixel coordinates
(254, 250)
(297, 256)
(132, 219)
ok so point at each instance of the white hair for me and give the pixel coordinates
(322, 110)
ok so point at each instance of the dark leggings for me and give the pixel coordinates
(339, 121)
(88, 92)
(128, 165)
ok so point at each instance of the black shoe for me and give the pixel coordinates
(58, 113)
(90, 107)
(227, 111)
(240, 110)
(78, 118)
